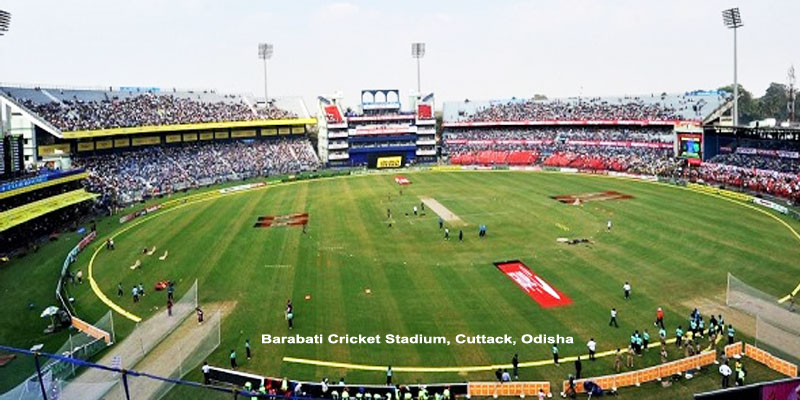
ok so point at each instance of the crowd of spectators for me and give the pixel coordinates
(772, 155)
(761, 162)
(583, 109)
(129, 176)
(637, 134)
(148, 109)
(557, 147)
(756, 180)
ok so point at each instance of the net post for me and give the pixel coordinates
(728, 291)
(113, 333)
(125, 384)
(39, 374)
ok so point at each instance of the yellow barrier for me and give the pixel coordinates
(636, 377)
(27, 212)
(43, 185)
(774, 363)
(507, 389)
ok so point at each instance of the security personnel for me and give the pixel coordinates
(678, 336)
(731, 333)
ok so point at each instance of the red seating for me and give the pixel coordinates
(522, 158)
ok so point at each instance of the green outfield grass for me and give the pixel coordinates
(674, 246)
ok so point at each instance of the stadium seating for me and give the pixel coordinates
(126, 177)
(680, 106)
(71, 110)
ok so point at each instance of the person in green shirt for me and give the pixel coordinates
(662, 336)
(639, 345)
(678, 336)
(555, 354)
(731, 333)
(740, 377)
(645, 340)
(233, 359)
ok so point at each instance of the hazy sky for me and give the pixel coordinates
(475, 49)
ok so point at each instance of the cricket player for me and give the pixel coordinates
(626, 288)
(592, 345)
(415, 210)
(613, 320)
(446, 233)
(608, 225)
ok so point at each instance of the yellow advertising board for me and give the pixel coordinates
(146, 141)
(221, 135)
(103, 144)
(189, 137)
(389, 162)
(298, 129)
(54, 149)
(284, 130)
(187, 127)
(173, 138)
(121, 143)
(269, 131)
(85, 146)
(206, 135)
(243, 133)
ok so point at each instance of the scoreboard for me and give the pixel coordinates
(690, 147)
(2, 157)
(11, 156)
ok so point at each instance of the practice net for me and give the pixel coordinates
(777, 325)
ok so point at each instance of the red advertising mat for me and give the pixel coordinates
(537, 288)
(269, 221)
(402, 180)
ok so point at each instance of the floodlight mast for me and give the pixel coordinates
(733, 20)
(265, 51)
(418, 51)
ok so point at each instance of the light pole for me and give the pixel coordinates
(5, 21)
(418, 51)
(265, 51)
(733, 20)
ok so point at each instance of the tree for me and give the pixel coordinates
(748, 107)
(773, 103)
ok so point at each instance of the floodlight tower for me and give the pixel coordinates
(733, 20)
(265, 51)
(792, 95)
(5, 21)
(418, 51)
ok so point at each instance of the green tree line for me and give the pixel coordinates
(773, 104)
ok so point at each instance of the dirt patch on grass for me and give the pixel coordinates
(442, 211)
(741, 321)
